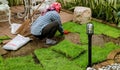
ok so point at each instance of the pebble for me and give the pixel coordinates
(115, 66)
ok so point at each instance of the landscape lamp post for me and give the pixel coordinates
(90, 32)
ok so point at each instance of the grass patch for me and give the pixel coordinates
(4, 37)
(77, 28)
(101, 28)
(46, 54)
(21, 63)
(1, 63)
(69, 49)
(60, 64)
(55, 61)
(97, 54)
(52, 60)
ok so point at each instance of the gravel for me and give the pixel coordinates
(115, 66)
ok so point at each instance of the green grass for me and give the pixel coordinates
(60, 64)
(47, 54)
(66, 55)
(55, 61)
(1, 63)
(97, 54)
(20, 63)
(77, 28)
(4, 37)
(107, 30)
(69, 49)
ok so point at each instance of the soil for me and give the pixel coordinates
(29, 48)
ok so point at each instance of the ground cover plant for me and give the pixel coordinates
(58, 57)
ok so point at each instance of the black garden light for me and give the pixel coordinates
(90, 32)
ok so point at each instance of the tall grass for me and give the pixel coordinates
(15, 2)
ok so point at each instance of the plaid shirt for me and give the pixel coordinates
(42, 21)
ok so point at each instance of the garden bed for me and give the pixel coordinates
(49, 58)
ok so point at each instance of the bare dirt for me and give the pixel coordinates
(29, 48)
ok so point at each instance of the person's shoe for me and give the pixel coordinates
(50, 42)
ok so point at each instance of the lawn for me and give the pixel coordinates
(66, 55)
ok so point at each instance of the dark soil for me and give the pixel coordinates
(98, 40)
(29, 48)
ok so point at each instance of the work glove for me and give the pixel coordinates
(66, 32)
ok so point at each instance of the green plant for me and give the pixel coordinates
(118, 20)
(101, 9)
(15, 2)
(4, 37)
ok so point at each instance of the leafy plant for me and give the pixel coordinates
(118, 20)
(4, 37)
(101, 9)
(15, 2)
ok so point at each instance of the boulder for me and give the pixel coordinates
(82, 15)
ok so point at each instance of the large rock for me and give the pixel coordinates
(82, 15)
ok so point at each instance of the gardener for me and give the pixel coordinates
(46, 26)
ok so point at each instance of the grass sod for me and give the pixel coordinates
(21, 63)
(69, 49)
(54, 61)
(1, 41)
(1, 63)
(97, 54)
(99, 28)
(107, 30)
(60, 64)
(77, 28)
(46, 54)
(4, 37)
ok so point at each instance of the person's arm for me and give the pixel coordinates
(56, 17)
(60, 29)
